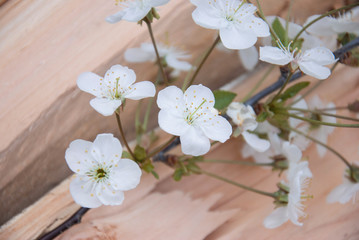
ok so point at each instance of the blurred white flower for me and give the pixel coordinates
(111, 90)
(235, 20)
(344, 192)
(170, 55)
(134, 10)
(311, 62)
(321, 132)
(101, 175)
(248, 57)
(192, 116)
(294, 210)
(245, 118)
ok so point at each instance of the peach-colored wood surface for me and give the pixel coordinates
(199, 207)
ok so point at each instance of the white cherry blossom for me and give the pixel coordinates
(101, 175)
(170, 54)
(344, 192)
(111, 90)
(294, 210)
(249, 57)
(245, 118)
(134, 10)
(192, 117)
(310, 62)
(235, 20)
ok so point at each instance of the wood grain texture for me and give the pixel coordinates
(45, 45)
(199, 207)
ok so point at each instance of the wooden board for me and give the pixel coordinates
(45, 45)
(202, 208)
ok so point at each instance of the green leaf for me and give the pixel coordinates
(280, 31)
(148, 167)
(177, 175)
(345, 38)
(140, 153)
(262, 116)
(126, 155)
(223, 99)
(293, 90)
(155, 174)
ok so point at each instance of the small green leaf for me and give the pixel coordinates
(140, 153)
(155, 174)
(126, 155)
(280, 31)
(223, 99)
(177, 175)
(148, 167)
(262, 116)
(293, 90)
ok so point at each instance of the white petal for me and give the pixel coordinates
(322, 27)
(109, 196)
(315, 70)
(89, 82)
(218, 129)
(234, 38)
(292, 152)
(258, 26)
(137, 55)
(274, 55)
(249, 57)
(260, 145)
(170, 97)
(135, 14)
(319, 55)
(172, 122)
(125, 175)
(156, 3)
(337, 194)
(78, 156)
(276, 218)
(276, 143)
(194, 142)
(207, 20)
(115, 17)
(106, 149)
(82, 190)
(195, 95)
(126, 77)
(173, 62)
(141, 90)
(105, 106)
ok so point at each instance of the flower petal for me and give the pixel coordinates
(82, 191)
(170, 97)
(135, 14)
(106, 149)
(218, 129)
(115, 17)
(234, 38)
(141, 90)
(172, 122)
(207, 19)
(109, 196)
(89, 82)
(156, 3)
(276, 218)
(274, 55)
(78, 156)
(137, 55)
(319, 55)
(260, 145)
(194, 142)
(249, 57)
(173, 62)
(258, 26)
(126, 77)
(322, 27)
(315, 70)
(105, 106)
(292, 152)
(125, 175)
(195, 96)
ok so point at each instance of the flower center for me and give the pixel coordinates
(100, 173)
(191, 117)
(316, 117)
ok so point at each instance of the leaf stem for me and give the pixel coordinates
(322, 113)
(148, 23)
(283, 86)
(236, 162)
(237, 184)
(123, 134)
(160, 148)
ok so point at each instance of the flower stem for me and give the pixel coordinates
(322, 113)
(160, 148)
(322, 144)
(148, 23)
(322, 16)
(320, 122)
(236, 162)
(237, 184)
(259, 83)
(123, 135)
(283, 86)
(205, 56)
